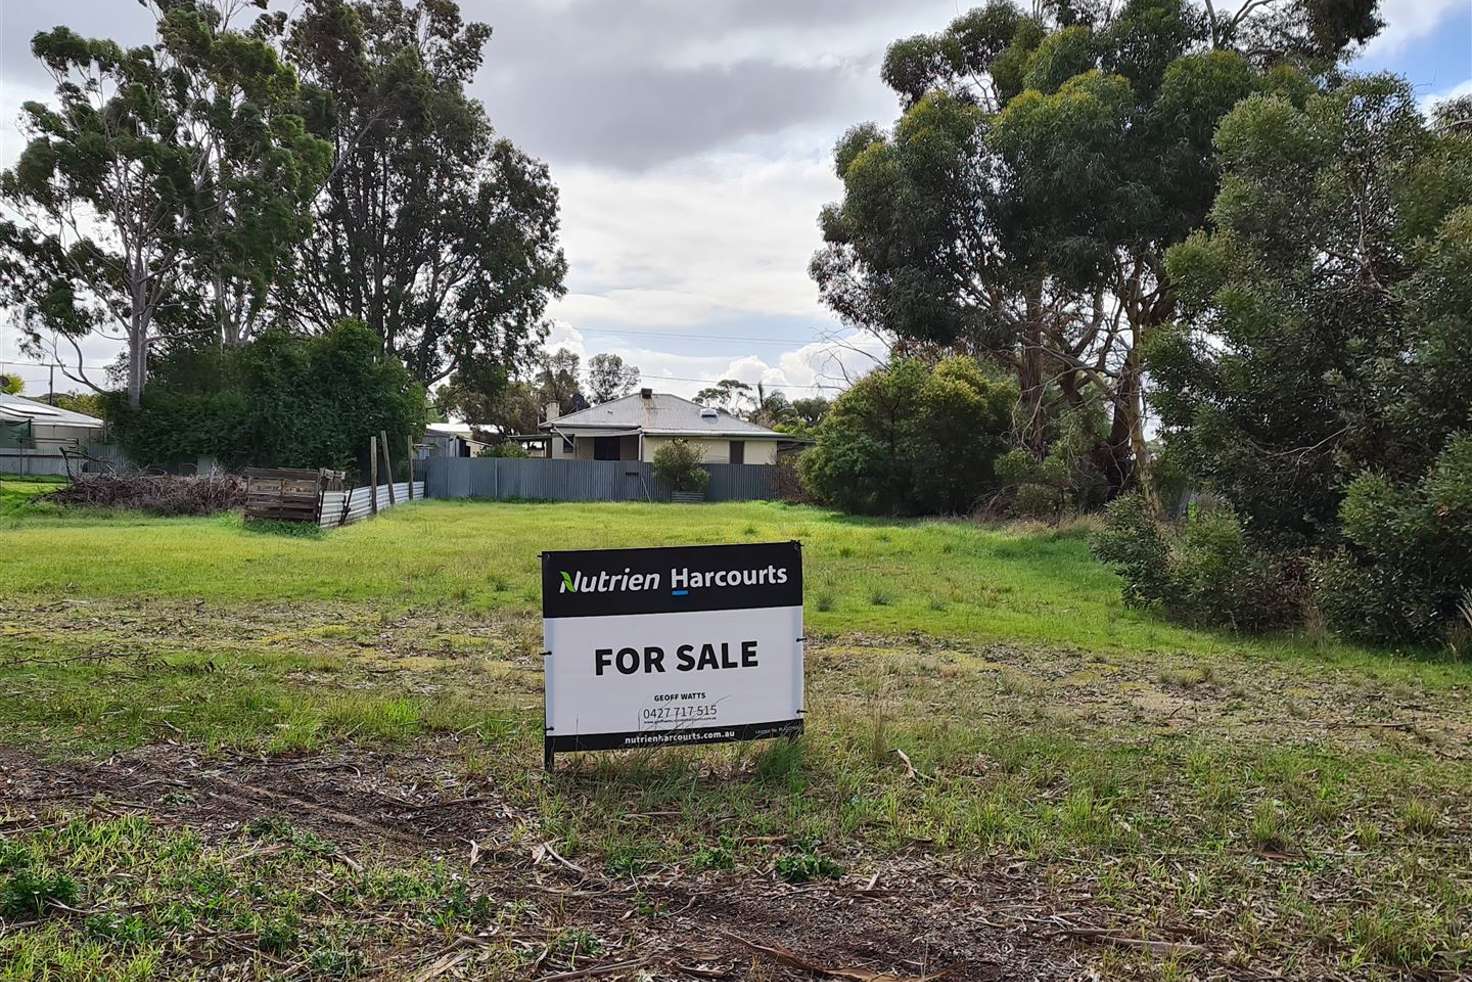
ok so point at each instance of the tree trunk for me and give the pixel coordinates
(228, 323)
(1030, 373)
(137, 338)
(1130, 423)
(137, 359)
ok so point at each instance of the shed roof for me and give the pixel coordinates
(661, 414)
(19, 408)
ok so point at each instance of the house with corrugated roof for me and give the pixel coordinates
(636, 426)
(33, 435)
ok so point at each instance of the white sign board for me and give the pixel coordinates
(677, 646)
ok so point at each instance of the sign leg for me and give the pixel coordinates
(547, 754)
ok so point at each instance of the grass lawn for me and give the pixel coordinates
(993, 739)
(17, 491)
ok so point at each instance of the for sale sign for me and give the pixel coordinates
(677, 646)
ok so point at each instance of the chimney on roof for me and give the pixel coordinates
(646, 393)
(552, 411)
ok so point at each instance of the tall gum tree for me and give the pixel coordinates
(1021, 207)
(155, 169)
(435, 233)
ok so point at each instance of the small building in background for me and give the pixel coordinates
(453, 440)
(33, 436)
(636, 426)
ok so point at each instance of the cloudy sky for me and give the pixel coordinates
(691, 144)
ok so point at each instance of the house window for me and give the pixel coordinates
(738, 451)
(568, 449)
(605, 448)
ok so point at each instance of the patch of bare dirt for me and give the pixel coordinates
(913, 918)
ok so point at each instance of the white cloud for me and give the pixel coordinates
(818, 368)
(694, 239)
(1409, 20)
(14, 93)
(1429, 104)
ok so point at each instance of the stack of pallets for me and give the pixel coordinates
(286, 494)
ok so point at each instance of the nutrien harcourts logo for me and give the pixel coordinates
(681, 580)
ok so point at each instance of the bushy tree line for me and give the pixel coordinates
(250, 172)
(1191, 208)
(280, 400)
(1318, 380)
(1021, 207)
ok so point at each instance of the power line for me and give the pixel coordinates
(59, 364)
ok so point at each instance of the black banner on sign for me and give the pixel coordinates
(602, 582)
(674, 738)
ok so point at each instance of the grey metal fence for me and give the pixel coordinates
(741, 482)
(507, 478)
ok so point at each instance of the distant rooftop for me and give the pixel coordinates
(661, 414)
(20, 409)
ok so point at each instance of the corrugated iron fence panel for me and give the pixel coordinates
(741, 482)
(343, 507)
(332, 508)
(511, 478)
(24, 461)
(561, 480)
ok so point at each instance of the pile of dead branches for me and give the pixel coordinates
(158, 494)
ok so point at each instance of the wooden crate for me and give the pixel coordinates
(288, 494)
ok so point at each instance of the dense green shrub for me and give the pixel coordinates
(1131, 542)
(1318, 376)
(677, 466)
(910, 439)
(284, 400)
(1315, 345)
(1407, 557)
(1067, 477)
(1203, 571)
(177, 427)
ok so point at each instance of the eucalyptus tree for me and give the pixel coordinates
(440, 236)
(1021, 206)
(609, 378)
(154, 169)
(1327, 315)
(556, 380)
(729, 395)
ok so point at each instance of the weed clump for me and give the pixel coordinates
(1419, 817)
(31, 893)
(805, 865)
(718, 855)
